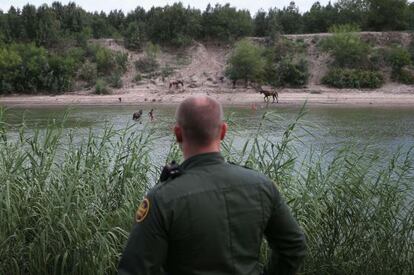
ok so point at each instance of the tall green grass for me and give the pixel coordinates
(67, 204)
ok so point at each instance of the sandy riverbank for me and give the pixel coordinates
(231, 97)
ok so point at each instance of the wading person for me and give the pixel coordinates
(151, 114)
(208, 216)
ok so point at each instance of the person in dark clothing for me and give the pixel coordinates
(151, 114)
(207, 216)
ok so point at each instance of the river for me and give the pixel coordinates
(379, 128)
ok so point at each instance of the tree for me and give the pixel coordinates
(48, 27)
(135, 36)
(261, 24)
(29, 20)
(387, 15)
(116, 19)
(10, 62)
(226, 23)
(173, 25)
(14, 25)
(411, 17)
(100, 27)
(246, 62)
(351, 12)
(319, 18)
(290, 19)
(347, 47)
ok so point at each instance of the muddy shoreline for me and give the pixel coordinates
(230, 98)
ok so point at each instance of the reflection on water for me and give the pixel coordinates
(385, 129)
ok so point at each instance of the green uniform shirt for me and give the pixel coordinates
(211, 220)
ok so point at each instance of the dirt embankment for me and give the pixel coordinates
(201, 68)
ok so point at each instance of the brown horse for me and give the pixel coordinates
(268, 93)
(176, 83)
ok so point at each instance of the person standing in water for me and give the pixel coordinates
(151, 114)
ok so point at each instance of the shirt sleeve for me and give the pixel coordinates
(285, 238)
(146, 250)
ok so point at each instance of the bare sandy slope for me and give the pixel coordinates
(202, 71)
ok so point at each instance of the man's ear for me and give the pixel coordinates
(223, 130)
(178, 133)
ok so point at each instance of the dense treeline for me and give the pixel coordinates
(45, 48)
(56, 25)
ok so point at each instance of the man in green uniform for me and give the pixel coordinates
(209, 216)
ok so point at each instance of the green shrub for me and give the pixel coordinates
(377, 59)
(405, 76)
(104, 61)
(183, 59)
(26, 68)
(137, 77)
(88, 72)
(347, 48)
(77, 54)
(353, 78)
(121, 61)
(152, 50)
(411, 48)
(115, 80)
(291, 74)
(60, 76)
(146, 65)
(285, 63)
(398, 57)
(33, 70)
(101, 87)
(166, 71)
(181, 41)
(246, 62)
(10, 62)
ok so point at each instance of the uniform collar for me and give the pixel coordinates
(202, 160)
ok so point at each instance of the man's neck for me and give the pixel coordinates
(190, 151)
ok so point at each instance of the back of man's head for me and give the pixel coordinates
(200, 118)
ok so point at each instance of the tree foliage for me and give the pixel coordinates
(226, 23)
(30, 69)
(176, 25)
(135, 36)
(246, 62)
(346, 47)
(353, 78)
(286, 64)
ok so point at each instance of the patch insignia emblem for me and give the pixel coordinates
(142, 210)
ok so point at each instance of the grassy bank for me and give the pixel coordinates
(67, 206)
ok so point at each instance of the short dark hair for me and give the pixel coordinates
(200, 118)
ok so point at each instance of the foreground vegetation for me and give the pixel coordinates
(67, 203)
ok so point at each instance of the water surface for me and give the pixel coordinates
(379, 128)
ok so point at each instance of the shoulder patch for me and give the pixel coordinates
(142, 210)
